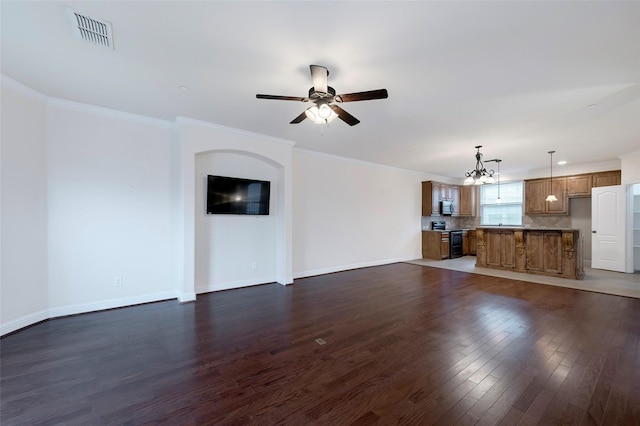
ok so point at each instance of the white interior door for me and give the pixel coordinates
(608, 228)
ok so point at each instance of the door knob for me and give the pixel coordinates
(593, 232)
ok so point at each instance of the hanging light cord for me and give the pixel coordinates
(551, 170)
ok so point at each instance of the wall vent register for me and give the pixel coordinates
(90, 29)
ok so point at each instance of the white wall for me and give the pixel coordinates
(630, 165)
(234, 250)
(350, 214)
(23, 194)
(194, 138)
(580, 209)
(109, 209)
(90, 194)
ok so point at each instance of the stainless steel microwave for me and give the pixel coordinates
(446, 208)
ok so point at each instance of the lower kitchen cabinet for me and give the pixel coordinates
(473, 243)
(469, 242)
(501, 250)
(444, 245)
(435, 245)
(544, 252)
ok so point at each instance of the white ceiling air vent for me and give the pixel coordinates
(92, 30)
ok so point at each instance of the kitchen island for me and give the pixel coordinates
(543, 251)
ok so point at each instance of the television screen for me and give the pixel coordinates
(228, 195)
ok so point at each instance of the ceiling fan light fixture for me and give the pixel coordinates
(312, 113)
(322, 115)
(323, 96)
(324, 111)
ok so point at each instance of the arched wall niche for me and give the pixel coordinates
(234, 251)
(199, 147)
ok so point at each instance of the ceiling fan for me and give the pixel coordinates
(324, 109)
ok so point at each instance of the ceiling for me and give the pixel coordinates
(519, 78)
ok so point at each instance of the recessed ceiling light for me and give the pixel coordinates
(184, 88)
(562, 163)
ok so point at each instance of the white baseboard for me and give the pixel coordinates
(234, 284)
(22, 322)
(83, 308)
(332, 269)
(109, 304)
(186, 297)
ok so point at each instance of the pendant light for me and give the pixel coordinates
(551, 197)
(498, 200)
(497, 160)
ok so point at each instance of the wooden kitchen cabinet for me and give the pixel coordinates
(469, 242)
(501, 249)
(544, 252)
(473, 243)
(613, 177)
(444, 245)
(552, 252)
(430, 198)
(536, 191)
(454, 192)
(435, 245)
(465, 243)
(434, 192)
(435, 203)
(467, 205)
(579, 186)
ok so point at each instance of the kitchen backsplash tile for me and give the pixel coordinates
(473, 222)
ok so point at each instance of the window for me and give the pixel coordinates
(509, 212)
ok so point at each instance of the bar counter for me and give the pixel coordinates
(555, 252)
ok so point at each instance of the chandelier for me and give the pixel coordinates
(480, 175)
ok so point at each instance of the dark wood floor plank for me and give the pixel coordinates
(402, 344)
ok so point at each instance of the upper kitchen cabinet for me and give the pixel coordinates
(434, 192)
(609, 178)
(454, 193)
(536, 191)
(579, 186)
(467, 205)
(430, 198)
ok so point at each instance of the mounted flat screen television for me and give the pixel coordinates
(229, 195)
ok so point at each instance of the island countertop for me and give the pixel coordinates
(528, 228)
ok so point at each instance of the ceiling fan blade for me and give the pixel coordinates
(344, 115)
(298, 118)
(319, 76)
(363, 96)
(282, 98)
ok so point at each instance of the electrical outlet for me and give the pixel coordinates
(254, 265)
(117, 281)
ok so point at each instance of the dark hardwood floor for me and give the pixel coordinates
(400, 344)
